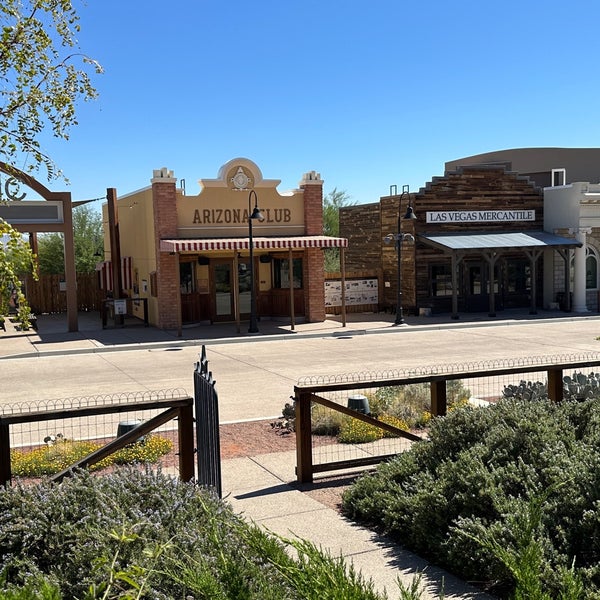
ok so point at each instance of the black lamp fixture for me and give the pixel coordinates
(255, 214)
(398, 238)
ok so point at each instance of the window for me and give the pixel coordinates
(441, 280)
(281, 273)
(518, 277)
(591, 269)
(186, 277)
(559, 177)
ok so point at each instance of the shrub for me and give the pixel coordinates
(355, 431)
(474, 481)
(141, 534)
(59, 454)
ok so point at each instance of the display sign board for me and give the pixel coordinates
(479, 216)
(17, 213)
(120, 307)
(358, 291)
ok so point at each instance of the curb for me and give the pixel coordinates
(149, 346)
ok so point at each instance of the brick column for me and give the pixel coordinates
(167, 266)
(314, 272)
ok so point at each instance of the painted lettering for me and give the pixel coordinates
(465, 216)
(227, 216)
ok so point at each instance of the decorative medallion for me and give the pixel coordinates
(240, 180)
(12, 188)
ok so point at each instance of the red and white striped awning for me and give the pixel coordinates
(258, 243)
(104, 269)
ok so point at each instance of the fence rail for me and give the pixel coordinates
(311, 390)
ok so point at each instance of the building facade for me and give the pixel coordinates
(478, 243)
(189, 256)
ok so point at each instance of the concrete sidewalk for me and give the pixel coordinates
(260, 489)
(52, 337)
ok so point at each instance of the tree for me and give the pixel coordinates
(42, 77)
(16, 259)
(332, 202)
(39, 86)
(88, 241)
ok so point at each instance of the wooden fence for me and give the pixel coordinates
(312, 390)
(172, 404)
(48, 294)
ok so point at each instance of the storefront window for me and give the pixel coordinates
(518, 277)
(441, 280)
(186, 277)
(281, 273)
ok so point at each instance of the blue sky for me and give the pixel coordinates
(369, 94)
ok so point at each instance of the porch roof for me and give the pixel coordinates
(258, 243)
(489, 241)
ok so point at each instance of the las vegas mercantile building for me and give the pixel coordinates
(187, 258)
(514, 228)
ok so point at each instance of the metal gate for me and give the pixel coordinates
(208, 443)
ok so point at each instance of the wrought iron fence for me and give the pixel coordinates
(207, 426)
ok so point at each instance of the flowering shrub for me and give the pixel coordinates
(59, 453)
(355, 431)
(139, 534)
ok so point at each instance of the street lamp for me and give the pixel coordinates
(398, 238)
(255, 214)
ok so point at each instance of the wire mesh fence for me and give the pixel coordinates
(404, 399)
(45, 437)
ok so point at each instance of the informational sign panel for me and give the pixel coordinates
(120, 307)
(358, 291)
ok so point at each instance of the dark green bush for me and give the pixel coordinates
(141, 534)
(474, 482)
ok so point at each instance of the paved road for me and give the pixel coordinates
(256, 377)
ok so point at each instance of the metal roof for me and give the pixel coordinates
(487, 241)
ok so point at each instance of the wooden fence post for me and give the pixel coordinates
(5, 471)
(555, 384)
(304, 469)
(439, 404)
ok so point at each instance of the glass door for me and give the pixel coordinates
(224, 300)
(223, 291)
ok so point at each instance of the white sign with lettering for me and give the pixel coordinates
(479, 216)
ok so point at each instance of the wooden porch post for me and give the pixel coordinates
(292, 308)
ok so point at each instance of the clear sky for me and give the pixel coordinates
(369, 94)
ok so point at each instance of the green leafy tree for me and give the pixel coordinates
(88, 242)
(332, 202)
(42, 76)
(16, 259)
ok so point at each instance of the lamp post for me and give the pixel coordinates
(255, 214)
(398, 238)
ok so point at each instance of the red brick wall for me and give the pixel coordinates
(313, 207)
(314, 291)
(314, 272)
(167, 266)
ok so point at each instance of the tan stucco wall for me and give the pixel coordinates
(221, 210)
(136, 219)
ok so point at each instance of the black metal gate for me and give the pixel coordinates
(208, 443)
